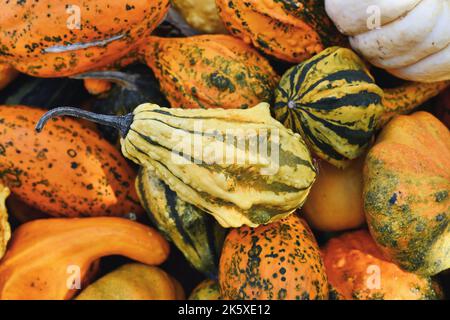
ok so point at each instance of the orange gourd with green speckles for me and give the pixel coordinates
(66, 171)
(211, 71)
(407, 193)
(291, 30)
(357, 270)
(55, 38)
(276, 261)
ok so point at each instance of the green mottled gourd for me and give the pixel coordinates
(198, 236)
(332, 100)
(235, 183)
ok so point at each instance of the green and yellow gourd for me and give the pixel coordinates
(206, 290)
(198, 236)
(257, 190)
(333, 101)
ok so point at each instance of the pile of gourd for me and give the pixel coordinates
(358, 206)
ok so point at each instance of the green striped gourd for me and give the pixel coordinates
(333, 102)
(255, 187)
(198, 236)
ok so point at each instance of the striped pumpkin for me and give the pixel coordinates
(224, 176)
(333, 102)
(198, 236)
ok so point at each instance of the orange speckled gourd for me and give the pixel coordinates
(291, 30)
(357, 269)
(43, 255)
(68, 170)
(211, 71)
(407, 193)
(55, 38)
(276, 261)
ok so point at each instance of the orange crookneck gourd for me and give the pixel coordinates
(54, 38)
(44, 254)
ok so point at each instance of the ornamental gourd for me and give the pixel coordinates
(66, 171)
(210, 71)
(37, 263)
(408, 38)
(334, 103)
(291, 30)
(134, 281)
(54, 39)
(407, 193)
(196, 234)
(206, 290)
(202, 15)
(279, 261)
(208, 157)
(353, 260)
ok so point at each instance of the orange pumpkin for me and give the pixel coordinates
(66, 171)
(357, 270)
(276, 261)
(54, 38)
(293, 30)
(407, 193)
(45, 257)
(210, 71)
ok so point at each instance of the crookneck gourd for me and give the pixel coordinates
(357, 269)
(290, 30)
(66, 171)
(409, 38)
(407, 193)
(209, 158)
(279, 261)
(334, 103)
(49, 259)
(198, 236)
(210, 71)
(50, 39)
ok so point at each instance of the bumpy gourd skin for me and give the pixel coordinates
(35, 37)
(407, 193)
(211, 71)
(198, 236)
(357, 269)
(333, 102)
(234, 192)
(280, 261)
(289, 30)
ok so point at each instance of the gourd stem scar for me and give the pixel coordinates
(121, 123)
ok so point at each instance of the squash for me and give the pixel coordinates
(273, 262)
(44, 256)
(132, 281)
(202, 15)
(334, 103)
(7, 75)
(97, 86)
(67, 171)
(206, 290)
(43, 92)
(335, 202)
(5, 229)
(410, 38)
(407, 193)
(210, 71)
(202, 155)
(357, 269)
(195, 233)
(290, 30)
(47, 39)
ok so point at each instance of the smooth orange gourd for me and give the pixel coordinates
(45, 256)
(68, 170)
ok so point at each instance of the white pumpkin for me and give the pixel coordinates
(412, 40)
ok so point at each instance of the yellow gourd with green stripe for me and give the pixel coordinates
(256, 186)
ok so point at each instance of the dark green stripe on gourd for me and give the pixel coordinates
(333, 102)
(266, 184)
(198, 236)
